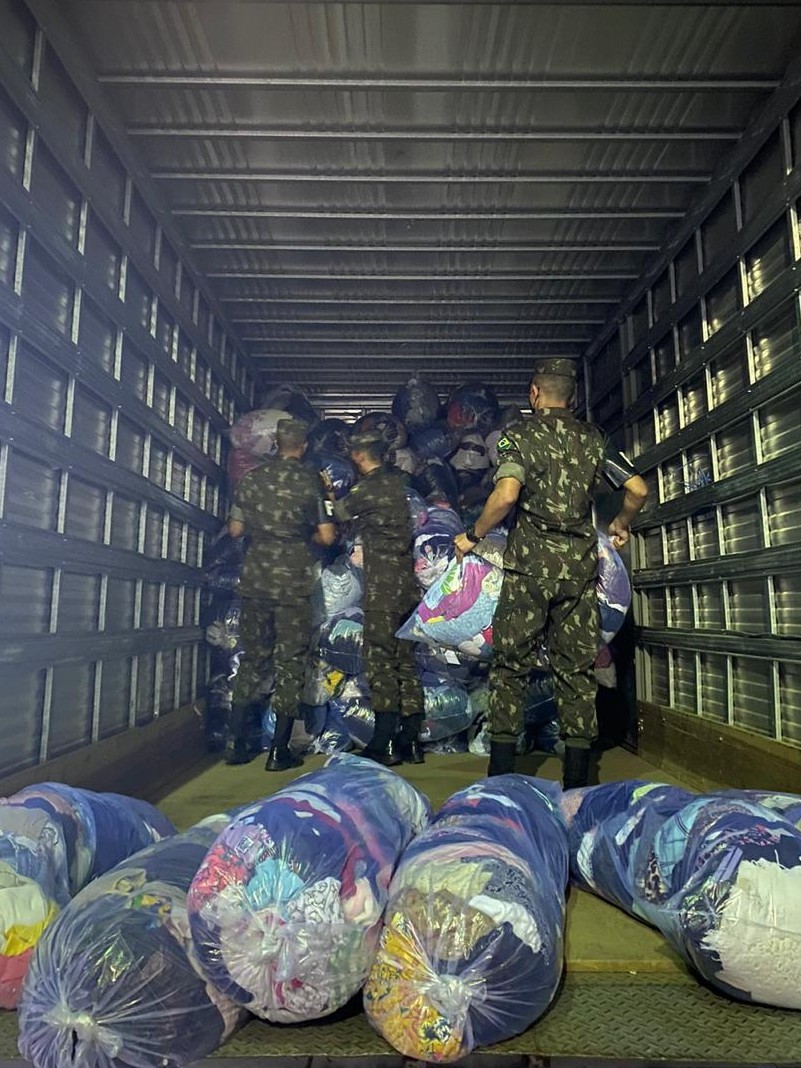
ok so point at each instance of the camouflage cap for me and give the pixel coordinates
(290, 425)
(557, 366)
(367, 439)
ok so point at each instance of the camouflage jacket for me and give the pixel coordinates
(559, 462)
(280, 504)
(377, 506)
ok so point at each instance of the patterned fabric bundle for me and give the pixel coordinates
(340, 470)
(286, 909)
(614, 589)
(473, 407)
(387, 425)
(54, 839)
(339, 587)
(471, 951)
(433, 545)
(416, 404)
(447, 709)
(114, 981)
(340, 641)
(328, 437)
(457, 610)
(433, 442)
(719, 875)
(252, 438)
(292, 401)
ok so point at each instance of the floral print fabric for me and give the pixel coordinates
(286, 909)
(471, 951)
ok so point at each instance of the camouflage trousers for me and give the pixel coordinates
(390, 664)
(565, 613)
(274, 635)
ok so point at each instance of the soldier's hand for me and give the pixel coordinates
(463, 546)
(618, 534)
(328, 484)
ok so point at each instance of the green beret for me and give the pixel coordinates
(557, 366)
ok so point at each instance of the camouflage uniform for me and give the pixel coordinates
(377, 504)
(281, 505)
(550, 566)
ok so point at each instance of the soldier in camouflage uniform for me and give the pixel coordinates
(377, 506)
(550, 467)
(281, 506)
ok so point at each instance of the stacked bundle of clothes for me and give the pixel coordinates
(719, 875)
(449, 453)
(286, 909)
(54, 840)
(471, 951)
(115, 980)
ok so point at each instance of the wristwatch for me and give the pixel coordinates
(471, 535)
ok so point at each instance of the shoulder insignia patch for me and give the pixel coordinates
(504, 443)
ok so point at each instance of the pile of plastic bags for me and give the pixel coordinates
(54, 840)
(115, 980)
(719, 875)
(222, 572)
(449, 452)
(286, 908)
(472, 946)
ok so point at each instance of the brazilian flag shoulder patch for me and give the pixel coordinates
(504, 444)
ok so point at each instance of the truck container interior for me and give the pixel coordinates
(201, 200)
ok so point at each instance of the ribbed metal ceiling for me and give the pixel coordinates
(377, 188)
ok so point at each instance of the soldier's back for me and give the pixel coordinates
(559, 459)
(280, 501)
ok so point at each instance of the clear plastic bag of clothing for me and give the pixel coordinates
(472, 947)
(114, 982)
(458, 609)
(474, 407)
(614, 589)
(447, 708)
(292, 401)
(338, 469)
(339, 641)
(329, 436)
(54, 839)
(339, 588)
(719, 875)
(433, 544)
(416, 404)
(391, 429)
(286, 909)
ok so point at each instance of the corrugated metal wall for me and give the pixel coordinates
(709, 403)
(116, 384)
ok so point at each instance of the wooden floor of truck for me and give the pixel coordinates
(626, 999)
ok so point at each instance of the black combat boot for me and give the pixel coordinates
(409, 747)
(280, 758)
(576, 767)
(237, 747)
(502, 758)
(382, 745)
